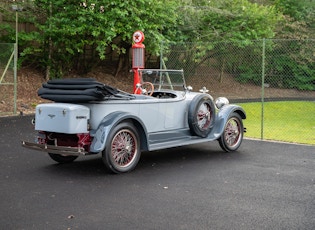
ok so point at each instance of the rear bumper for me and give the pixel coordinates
(62, 150)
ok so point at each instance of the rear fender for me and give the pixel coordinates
(223, 116)
(110, 121)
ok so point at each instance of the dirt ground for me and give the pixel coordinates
(30, 80)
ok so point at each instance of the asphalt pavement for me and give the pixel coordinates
(264, 185)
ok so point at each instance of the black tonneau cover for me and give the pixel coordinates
(78, 90)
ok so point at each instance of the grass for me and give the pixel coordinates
(289, 121)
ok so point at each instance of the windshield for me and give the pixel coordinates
(163, 79)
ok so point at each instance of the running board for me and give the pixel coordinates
(181, 141)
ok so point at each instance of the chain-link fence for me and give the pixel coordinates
(8, 78)
(262, 72)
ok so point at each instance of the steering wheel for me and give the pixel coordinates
(147, 88)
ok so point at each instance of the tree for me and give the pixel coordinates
(298, 27)
(228, 20)
(78, 35)
(206, 24)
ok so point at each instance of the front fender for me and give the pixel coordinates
(111, 120)
(223, 116)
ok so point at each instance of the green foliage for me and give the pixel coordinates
(295, 9)
(229, 20)
(7, 34)
(295, 70)
(78, 35)
(298, 18)
(237, 22)
(288, 64)
(6, 52)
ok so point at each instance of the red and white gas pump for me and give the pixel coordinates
(137, 59)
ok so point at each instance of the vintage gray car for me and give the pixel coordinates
(88, 117)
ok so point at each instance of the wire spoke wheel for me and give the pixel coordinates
(204, 116)
(232, 132)
(201, 115)
(123, 148)
(232, 136)
(122, 152)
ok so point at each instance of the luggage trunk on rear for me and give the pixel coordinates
(62, 118)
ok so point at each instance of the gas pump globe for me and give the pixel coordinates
(138, 50)
(137, 58)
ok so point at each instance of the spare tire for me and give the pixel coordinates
(201, 115)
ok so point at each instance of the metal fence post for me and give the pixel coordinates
(161, 55)
(263, 86)
(16, 57)
(15, 76)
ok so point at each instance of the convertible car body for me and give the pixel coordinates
(88, 117)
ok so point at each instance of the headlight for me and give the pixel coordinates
(221, 101)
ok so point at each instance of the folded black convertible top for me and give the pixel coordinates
(76, 90)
